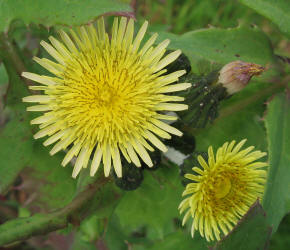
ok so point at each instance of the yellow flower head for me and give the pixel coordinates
(223, 189)
(106, 94)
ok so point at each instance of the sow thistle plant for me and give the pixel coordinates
(110, 97)
(222, 189)
(128, 113)
(107, 97)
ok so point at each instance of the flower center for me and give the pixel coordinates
(106, 96)
(114, 101)
(222, 187)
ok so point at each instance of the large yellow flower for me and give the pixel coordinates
(223, 189)
(106, 96)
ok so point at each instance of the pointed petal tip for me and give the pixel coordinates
(119, 174)
(36, 136)
(151, 165)
(24, 73)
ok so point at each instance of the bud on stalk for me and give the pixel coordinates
(234, 76)
(208, 91)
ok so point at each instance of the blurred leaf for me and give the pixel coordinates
(252, 232)
(18, 150)
(91, 228)
(278, 11)
(79, 243)
(3, 75)
(23, 212)
(179, 240)
(48, 13)
(45, 178)
(115, 235)
(223, 45)
(15, 134)
(56, 187)
(281, 239)
(105, 200)
(154, 204)
(277, 195)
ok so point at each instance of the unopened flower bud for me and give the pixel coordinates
(235, 75)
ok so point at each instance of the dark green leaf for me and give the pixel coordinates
(252, 232)
(277, 195)
(56, 186)
(179, 240)
(3, 75)
(223, 45)
(154, 204)
(278, 11)
(15, 134)
(48, 13)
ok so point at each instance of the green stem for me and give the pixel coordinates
(9, 52)
(23, 228)
(247, 101)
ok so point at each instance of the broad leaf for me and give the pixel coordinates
(45, 180)
(56, 187)
(278, 11)
(277, 195)
(15, 134)
(48, 13)
(154, 204)
(223, 45)
(179, 240)
(252, 232)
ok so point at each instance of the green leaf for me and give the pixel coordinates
(15, 134)
(56, 187)
(179, 240)
(3, 75)
(78, 243)
(45, 177)
(53, 12)
(252, 232)
(223, 45)
(115, 236)
(240, 118)
(278, 11)
(154, 204)
(277, 195)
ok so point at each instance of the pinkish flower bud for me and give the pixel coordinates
(235, 75)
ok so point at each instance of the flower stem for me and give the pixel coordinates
(23, 228)
(9, 53)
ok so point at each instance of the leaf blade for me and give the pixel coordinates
(277, 195)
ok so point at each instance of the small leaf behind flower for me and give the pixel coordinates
(251, 232)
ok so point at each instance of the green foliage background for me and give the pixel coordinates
(33, 184)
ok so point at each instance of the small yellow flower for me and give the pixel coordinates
(106, 94)
(223, 189)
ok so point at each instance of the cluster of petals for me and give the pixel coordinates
(223, 188)
(106, 97)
